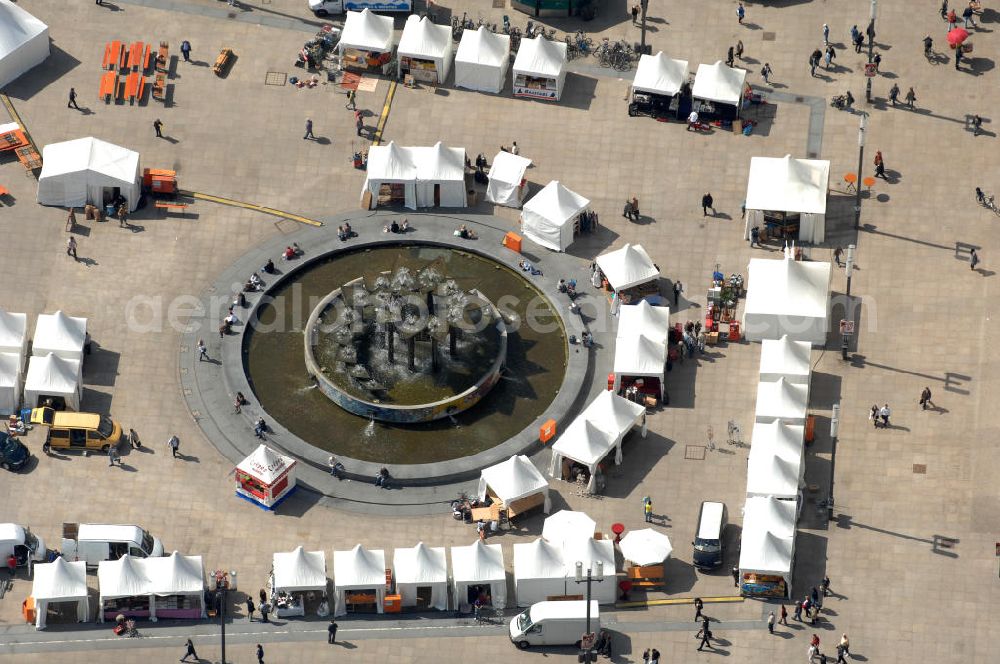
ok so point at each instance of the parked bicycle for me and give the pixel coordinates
(987, 201)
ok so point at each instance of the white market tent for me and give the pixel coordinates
(540, 69)
(87, 170)
(506, 178)
(787, 297)
(514, 480)
(719, 83)
(598, 430)
(590, 552)
(10, 383)
(125, 577)
(644, 356)
(169, 576)
(52, 376)
(784, 358)
(776, 465)
(421, 567)
(60, 335)
(359, 569)
(798, 186)
(430, 176)
(781, 400)
(660, 75)
(422, 39)
(627, 267)
(479, 564)
(482, 60)
(24, 42)
(643, 319)
(60, 581)
(14, 334)
(176, 575)
(539, 571)
(548, 217)
(645, 547)
(366, 31)
(768, 542)
(299, 570)
(567, 524)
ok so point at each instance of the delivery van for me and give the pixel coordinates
(708, 539)
(19, 542)
(323, 8)
(85, 431)
(554, 624)
(94, 542)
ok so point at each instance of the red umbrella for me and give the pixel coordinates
(957, 36)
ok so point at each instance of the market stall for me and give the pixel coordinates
(478, 573)
(58, 582)
(645, 547)
(415, 177)
(24, 42)
(776, 465)
(719, 92)
(360, 579)
(767, 548)
(14, 335)
(551, 217)
(657, 86)
(88, 170)
(787, 297)
(506, 184)
(265, 478)
(540, 69)
(517, 484)
(596, 555)
(162, 587)
(781, 400)
(421, 576)
(482, 60)
(424, 50)
(298, 583)
(630, 272)
(60, 335)
(539, 572)
(784, 358)
(641, 347)
(366, 42)
(10, 383)
(124, 589)
(786, 198)
(595, 433)
(53, 378)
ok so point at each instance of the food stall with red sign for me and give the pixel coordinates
(265, 478)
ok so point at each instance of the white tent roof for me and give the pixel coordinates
(421, 564)
(588, 551)
(642, 357)
(10, 368)
(13, 332)
(643, 319)
(424, 39)
(567, 524)
(660, 75)
(125, 577)
(477, 563)
(89, 154)
(514, 478)
(175, 574)
(59, 334)
(787, 184)
(597, 429)
(783, 400)
(505, 176)
(645, 547)
(53, 376)
(768, 540)
(367, 32)
(776, 465)
(359, 568)
(784, 357)
(538, 560)
(265, 464)
(548, 216)
(627, 267)
(60, 581)
(391, 163)
(719, 82)
(438, 163)
(299, 570)
(540, 57)
(482, 47)
(24, 41)
(785, 286)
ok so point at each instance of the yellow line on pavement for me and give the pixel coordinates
(377, 138)
(677, 601)
(250, 206)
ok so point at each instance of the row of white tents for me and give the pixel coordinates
(719, 83)
(55, 368)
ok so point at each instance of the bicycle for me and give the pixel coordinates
(987, 201)
(734, 436)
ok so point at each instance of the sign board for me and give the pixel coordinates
(847, 327)
(870, 69)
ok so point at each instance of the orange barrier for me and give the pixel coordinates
(547, 431)
(512, 241)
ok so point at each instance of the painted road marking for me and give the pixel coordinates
(377, 138)
(250, 206)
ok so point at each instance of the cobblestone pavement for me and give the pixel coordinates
(925, 321)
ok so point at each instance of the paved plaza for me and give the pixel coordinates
(926, 319)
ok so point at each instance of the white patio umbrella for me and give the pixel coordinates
(566, 524)
(645, 547)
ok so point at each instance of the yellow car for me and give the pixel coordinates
(68, 430)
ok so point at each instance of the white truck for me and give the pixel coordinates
(323, 8)
(554, 624)
(19, 542)
(94, 542)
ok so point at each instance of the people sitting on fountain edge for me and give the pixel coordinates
(345, 232)
(528, 267)
(336, 468)
(254, 283)
(392, 227)
(268, 267)
(291, 252)
(260, 428)
(382, 479)
(464, 233)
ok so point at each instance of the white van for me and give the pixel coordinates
(18, 541)
(94, 542)
(323, 8)
(554, 624)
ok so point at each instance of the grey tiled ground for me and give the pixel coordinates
(927, 318)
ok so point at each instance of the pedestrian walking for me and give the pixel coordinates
(202, 350)
(911, 97)
(736, 576)
(260, 654)
(952, 19)
(122, 214)
(309, 129)
(707, 203)
(880, 170)
(925, 398)
(72, 99)
(698, 606)
(845, 643)
(351, 100)
(71, 248)
(854, 33)
(188, 645)
(873, 415)
(113, 456)
(730, 55)
(977, 124)
(826, 33)
(678, 289)
(263, 596)
(825, 584)
(770, 622)
(813, 653)
(158, 127)
(840, 655)
(765, 72)
(814, 594)
(98, 2)
(706, 635)
(784, 615)
(798, 611)
(71, 220)
(973, 258)
(635, 14)
(186, 50)
(740, 13)
(647, 510)
(884, 413)
(331, 632)
(359, 124)
(944, 10)
(837, 253)
(928, 45)
(250, 608)
(814, 61)
(967, 15)
(265, 608)
(894, 94)
(958, 57)
(755, 237)
(859, 41)
(739, 49)
(877, 61)
(133, 439)
(174, 444)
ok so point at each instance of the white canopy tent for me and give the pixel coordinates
(567, 524)
(539, 571)
(88, 170)
(482, 60)
(784, 358)
(787, 297)
(423, 176)
(60, 581)
(643, 357)
(768, 546)
(299, 570)
(125, 577)
(421, 567)
(60, 335)
(547, 218)
(781, 400)
(645, 547)
(776, 465)
(169, 576)
(643, 319)
(425, 49)
(14, 334)
(513, 480)
(10, 383)
(590, 552)
(797, 186)
(506, 179)
(627, 267)
(359, 569)
(479, 564)
(52, 376)
(366, 31)
(596, 431)
(540, 69)
(24, 42)
(720, 84)
(659, 75)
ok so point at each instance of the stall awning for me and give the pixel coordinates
(299, 570)
(359, 568)
(776, 465)
(627, 267)
(424, 39)
(478, 563)
(719, 83)
(782, 400)
(540, 58)
(643, 319)
(60, 335)
(787, 297)
(513, 479)
(643, 357)
(660, 75)
(421, 564)
(266, 465)
(788, 185)
(547, 218)
(768, 540)
(367, 31)
(784, 358)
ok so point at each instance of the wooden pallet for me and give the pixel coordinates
(28, 156)
(221, 62)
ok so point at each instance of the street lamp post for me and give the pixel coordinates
(644, 4)
(871, 48)
(586, 650)
(862, 129)
(220, 608)
(845, 336)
